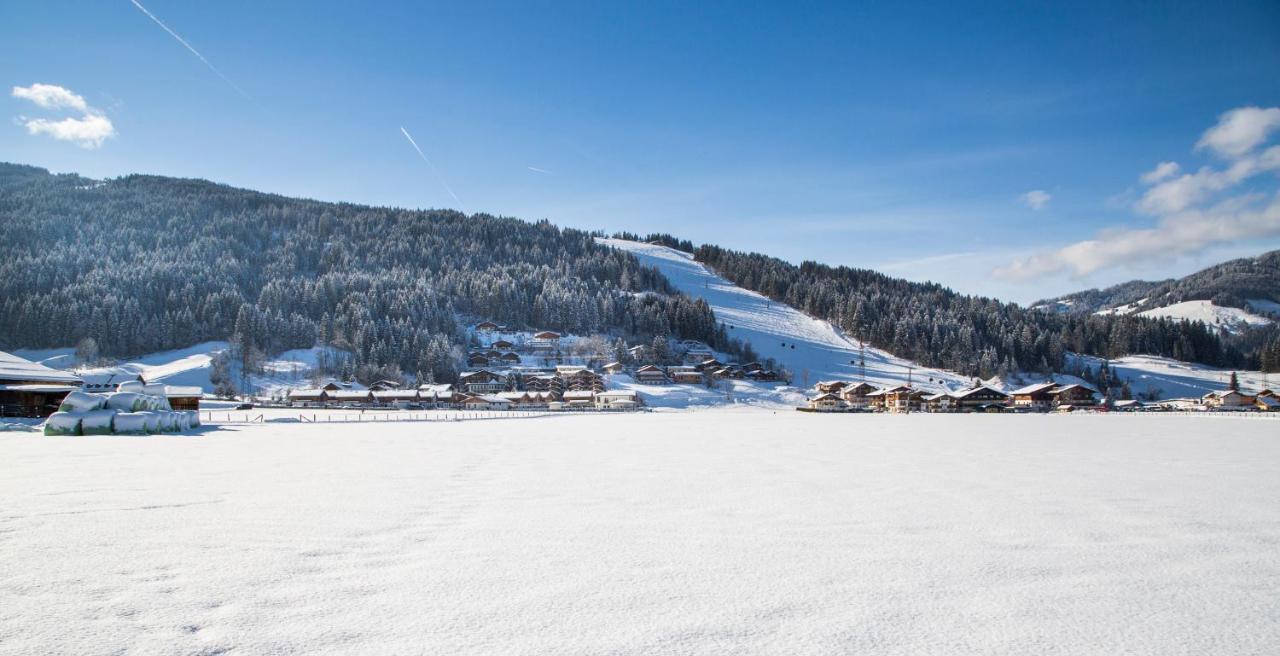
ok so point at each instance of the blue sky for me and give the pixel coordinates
(901, 138)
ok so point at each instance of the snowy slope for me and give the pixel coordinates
(191, 366)
(1226, 318)
(809, 347)
(1175, 379)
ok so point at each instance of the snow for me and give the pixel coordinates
(821, 351)
(13, 367)
(1226, 318)
(1122, 309)
(1173, 378)
(728, 531)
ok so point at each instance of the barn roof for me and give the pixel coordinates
(15, 368)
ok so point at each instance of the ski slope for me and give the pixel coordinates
(810, 348)
(1216, 316)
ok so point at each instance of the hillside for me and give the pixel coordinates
(810, 348)
(142, 264)
(1250, 285)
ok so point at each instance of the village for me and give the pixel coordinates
(843, 396)
(508, 369)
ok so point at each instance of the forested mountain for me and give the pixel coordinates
(973, 335)
(146, 263)
(1231, 284)
(1095, 300)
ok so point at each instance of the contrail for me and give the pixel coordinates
(188, 47)
(433, 167)
(537, 170)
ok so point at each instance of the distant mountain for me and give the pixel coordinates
(1090, 301)
(1249, 285)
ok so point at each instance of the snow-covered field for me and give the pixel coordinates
(811, 348)
(718, 531)
(1225, 318)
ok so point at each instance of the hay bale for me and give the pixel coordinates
(64, 423)
(134, 386)
(78, 401)
(154, 389)
(151, 421)
(130, 423)
(127, 401)
(195, 418)
(98, 422)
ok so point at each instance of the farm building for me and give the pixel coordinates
(183, 397)
(30, 389)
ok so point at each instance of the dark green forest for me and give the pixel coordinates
(146, 263)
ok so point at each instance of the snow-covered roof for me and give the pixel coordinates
(616, 394)
(396, 394)
(172, 391)
(1034, 389)
(487, 398)
(1064, 388)
(348, 395)
(824, 397)
(1269, 402)
(39, 388)
(436, 388)
(15, 368)
(975, 390)
(314, 392)
(578, 395)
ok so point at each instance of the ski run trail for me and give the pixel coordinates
(810, 348)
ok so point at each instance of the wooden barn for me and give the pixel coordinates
(30, 389)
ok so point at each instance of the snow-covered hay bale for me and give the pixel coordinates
(151, 420)
(184, 421)
(78, 401)
(64, 423)
(157, 403)
(153, 389)
(194, 417)
(172, 421)
(134, 386)
(127, 401)
(131, 423)
(98, 422)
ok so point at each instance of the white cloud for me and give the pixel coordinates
(1184, 223)
(1036, 199)
(1240, 131)
(1162, 171)
(1179, 193)
(51, 96)
(1180, 234)
(88, 130)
